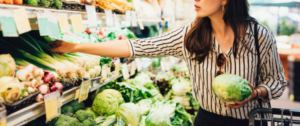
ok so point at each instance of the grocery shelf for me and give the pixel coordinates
(32, 14)
(36, 110)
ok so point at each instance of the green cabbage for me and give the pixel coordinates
(230, 88)
(145, 105)
(181, 87)
(89, 109)
(157, 118)
(107, 102)
(130, 113)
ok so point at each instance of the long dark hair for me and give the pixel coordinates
(199, 38)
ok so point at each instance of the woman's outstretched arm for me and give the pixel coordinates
(168, 44)
(118, 48)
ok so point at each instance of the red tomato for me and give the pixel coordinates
(88, 30)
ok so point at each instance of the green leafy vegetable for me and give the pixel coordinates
(130, 113)
(230, 88)
(107, 102)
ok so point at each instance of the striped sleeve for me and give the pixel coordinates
(169, 44)
(273, 78)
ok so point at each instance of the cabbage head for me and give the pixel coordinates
(181, 87)
(107, 102)
(145, 105)
(230, 88)
(157, 118)
(130, 113)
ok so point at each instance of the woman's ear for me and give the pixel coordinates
(224, 2)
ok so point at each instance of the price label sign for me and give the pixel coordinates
(125, 71)
(77, 94)
(92, 16)
(162, 65)
(53, 25)
(139, 65)
(8, 26)
(52, 105)
(21, 21)
(109, 18)
(134, 18)
(77, 23)
(63, 23)
(104, 71)
(141, 24)
(84, 90)
(116, 21)
(3, 117)
(128, 18)
(133, 68)
(43, 23)
(117, 69)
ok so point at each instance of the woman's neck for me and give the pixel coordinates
(219, 26)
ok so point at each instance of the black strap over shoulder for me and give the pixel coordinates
(258, 63)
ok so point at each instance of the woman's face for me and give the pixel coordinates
(206, 8)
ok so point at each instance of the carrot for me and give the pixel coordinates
(20, 2)
(1, 1)
(8, 1)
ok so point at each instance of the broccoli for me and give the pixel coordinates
(31, 2)
(63, 120)
(45, 3)
(57, 4)
(66, 109)
(89, 122)
(82, 116)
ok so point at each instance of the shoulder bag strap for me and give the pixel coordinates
(258, 63)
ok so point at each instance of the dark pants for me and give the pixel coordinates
(205, 118)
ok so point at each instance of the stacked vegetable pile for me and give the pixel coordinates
(30, 48)
(120, 5)
(136, 102)
(94, 35)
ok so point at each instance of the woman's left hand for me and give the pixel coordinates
(242, 103)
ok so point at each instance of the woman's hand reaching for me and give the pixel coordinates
(239, 104)
(62, 46)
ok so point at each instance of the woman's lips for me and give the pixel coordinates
(197, 7)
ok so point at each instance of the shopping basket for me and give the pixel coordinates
(275, 120)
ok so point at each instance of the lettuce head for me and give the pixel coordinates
(230, 88)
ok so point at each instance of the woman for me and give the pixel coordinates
(221, 40)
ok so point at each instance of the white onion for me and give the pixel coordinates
(24, 75)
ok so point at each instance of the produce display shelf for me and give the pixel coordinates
(37, 109)
(32, 13)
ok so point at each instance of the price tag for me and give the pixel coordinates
(128, 18)
(162, 65)
(77, 23)
(104, 71)
(3, 123)
(133, 68)
(134, 18)
(53, 25)
(116, 21)
(141, 24)
(139, 65)
(43, 23)
(125, 71)
(77, 94)
(117, 69)
(2, 117)
(52, 105)
(109, 18)
(91, 14)
(21, 21)
(8, 26)
(63, 23)
(84, 90)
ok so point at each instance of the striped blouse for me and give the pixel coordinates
(202, 75)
